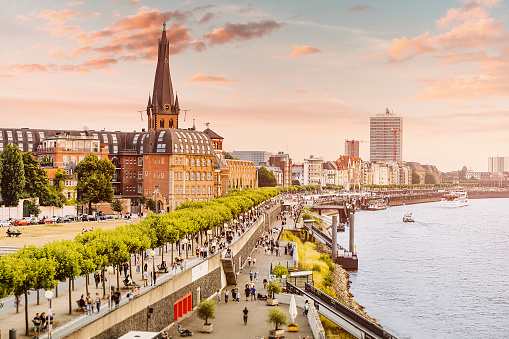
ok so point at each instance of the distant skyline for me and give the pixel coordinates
(269, 75)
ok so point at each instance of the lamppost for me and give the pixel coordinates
(185, 241)
(153, 255)
(49, 294)
(110, 271)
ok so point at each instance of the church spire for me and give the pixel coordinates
(162, 81)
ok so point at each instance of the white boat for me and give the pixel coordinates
(408, 217)
(376, 205)
(455, 199)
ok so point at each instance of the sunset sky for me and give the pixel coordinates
(275, 75)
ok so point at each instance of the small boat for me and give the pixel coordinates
(376, 205)
(455, 199)
(408, 217)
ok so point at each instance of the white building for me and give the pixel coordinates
(498, 164)
(313, 171)
(255, 156)
(298, 173)
(383, 129)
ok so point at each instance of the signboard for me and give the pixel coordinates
(272, 276)
(300, 274)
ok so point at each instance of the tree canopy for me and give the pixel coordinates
(430, 178)
(13, 174)
(416, 179)
(94, 180)
(266, 178)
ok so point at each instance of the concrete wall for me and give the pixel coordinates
(207, 276)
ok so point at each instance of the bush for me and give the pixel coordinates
(326, 259)
(276, 317)
(273, 287)
(317, 268)
(328, 280)
(206, 310)
(280, 270)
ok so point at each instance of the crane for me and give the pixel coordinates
(351, 146)
(395, 130)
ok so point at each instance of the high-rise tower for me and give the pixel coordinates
(386, 137)
(163, 107)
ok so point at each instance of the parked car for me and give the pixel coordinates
(42, 221)
(21, 222)
(34, 221)
(51, 220)
(87, 217)
(5, 223)
(63, 219)
(70, 217)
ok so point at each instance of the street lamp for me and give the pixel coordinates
(209, 233)
(49, 294)
(153, 255)
(185, 244)
(109, 269)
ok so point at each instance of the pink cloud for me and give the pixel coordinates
(206, 18)
(238, 32)
(299, 51)
(58, 52)
(74, 4)
(240, 96)
(60, 17)
(22, 17)
(202, 78)
(208, 94)
(301, 91)
(29, 68)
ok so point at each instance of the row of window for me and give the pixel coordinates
(132, 174)
(132, 188)
(193, 176)
(192, 162)
(132, 161)
(198, 190)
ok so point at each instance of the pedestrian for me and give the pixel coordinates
(256, 275)
(247, 291)
(254, 261)
(126, 267)
(88, 302)
(145, 278)
(306, 308)
(234, 294)
(97, 279)
(37, 326)
(43, 325)
(226, 294)
(265, 282)
(218, 296)
(251, 275)
(253, 292)
(245, 312)
(97, 302)
(249, 261)
(237, 294)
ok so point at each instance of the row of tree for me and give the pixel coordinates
(42, 267)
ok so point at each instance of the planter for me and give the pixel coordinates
(293, 328)
(276, 334)
(206, 328)
(272, 302)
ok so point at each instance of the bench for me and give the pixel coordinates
(81, 305)
(162, 269)
(129, 285)
(13, 234)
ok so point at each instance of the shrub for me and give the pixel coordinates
(273, 287)
(328, 280)
(317, 268)
(276, 317)
(326, 259)
(206, 310)
(280, 270)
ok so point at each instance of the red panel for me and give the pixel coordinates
(180, 308)
(190, 301)
(175, 312)
(184, 305)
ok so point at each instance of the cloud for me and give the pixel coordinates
(7, 76)
(238, 32)
(208, 94)
(240, 96)
(359, 8)
(58, 52)
(201, 78)
(299, 51)
(301, 91)
(30, 68)
(74, 4)
(60, 17)
(22, 17)
(206, 18)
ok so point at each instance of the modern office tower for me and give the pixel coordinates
(352, 148)
(255, 156)
(386, 137)
(498, 164)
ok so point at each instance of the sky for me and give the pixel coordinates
(276, 75)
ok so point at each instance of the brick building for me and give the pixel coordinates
(283, 161)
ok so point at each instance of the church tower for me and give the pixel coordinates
(163, 108)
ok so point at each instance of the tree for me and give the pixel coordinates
(276, 317)
(36, 179)
(295, 182)
(280, 270)
(266, 178)
(462, 174)
(142, 199)
(52, 196)
(116, 205)
(205, 310)
(229, 156)
(416, 179)
(150, 204)
(430, 178)
(94, 180)
(31, 207)
(273, 287)
(13, 175)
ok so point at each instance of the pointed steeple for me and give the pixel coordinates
(162, 81)
(177, 107)
(155, 104)
(149, 101)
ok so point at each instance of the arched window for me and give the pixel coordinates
(171, 123)
(192, 175)
(161, 123)
(198, 176)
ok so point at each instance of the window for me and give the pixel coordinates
(192, 175)
(140, 161)
(197, 175)
(156, 188)
(176, 190)
(180, 189)
(146, 191)
(126, 174)
(140, 188)
(155, 175)
(176, 176)
(162, 160)
(197, 162)
(161, 123)
(140, 175)
(192, 190)
(162, 175)
(146, 173)
(187, 190)
(187, 175)
(127, 161)
(180, 175)
(180, 160)
(208, 162)
(155, 161)
(192, 161)
(209, 190)
(187, 161)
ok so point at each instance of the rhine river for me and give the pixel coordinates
(444, 276)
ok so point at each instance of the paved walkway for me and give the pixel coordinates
(229, 318)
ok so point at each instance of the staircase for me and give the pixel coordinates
(229, 271)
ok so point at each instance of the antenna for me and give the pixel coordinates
(207, 124)
(185, 112)
(141, 114)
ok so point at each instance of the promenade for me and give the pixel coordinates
(65, 323)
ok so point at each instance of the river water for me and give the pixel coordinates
(444, 276)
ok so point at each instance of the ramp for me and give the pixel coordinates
(339, 314)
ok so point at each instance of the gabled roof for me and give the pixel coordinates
(212, 134)
(415, 166)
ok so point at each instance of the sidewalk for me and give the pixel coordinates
(229, 318)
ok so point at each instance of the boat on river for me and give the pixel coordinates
(455, 199)
(376, 205)
(408, 217)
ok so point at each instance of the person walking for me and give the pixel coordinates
(237, 294)
(226, 294)
(265, 282)
(37, 326)
(97, 279)
(98, 302)
(234, 294)
(218, 296)
(249, 261)
(256, 275)
(88, 302)
(306, 308)
(253, 292)
(247, 291)
(145, 278)
(251, 275)
(245, 312)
